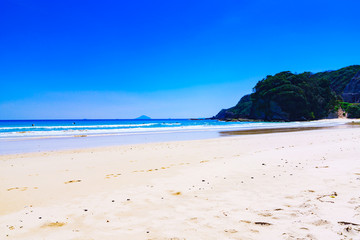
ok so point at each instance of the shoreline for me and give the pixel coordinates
(56, 143)
(256, 186)
(285, 130)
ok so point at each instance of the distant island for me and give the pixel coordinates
(306, 96)
(143, 117)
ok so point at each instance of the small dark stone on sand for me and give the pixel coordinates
(85, 210)
(39, 217)
(263, 164)
(147, 231)
(203, 180)
(263, 223)
(113, 201)
(128, 199)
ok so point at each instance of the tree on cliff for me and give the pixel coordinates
(291, 97)
(287, 96)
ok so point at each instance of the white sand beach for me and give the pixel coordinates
(296, 185)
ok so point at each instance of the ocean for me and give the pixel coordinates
(18, 136)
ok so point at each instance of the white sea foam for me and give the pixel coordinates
(80, 126)
(144, 128)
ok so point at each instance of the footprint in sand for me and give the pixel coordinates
(265, 214)
(162, 168)
(18, 188)
(151, 170)
(53, 224)
(72, 181)
(112, 175)
(245, 221)
(320, 222)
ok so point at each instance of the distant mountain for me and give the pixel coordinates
(143, 117)
(298, 97)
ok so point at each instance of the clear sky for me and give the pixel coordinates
(164, 59)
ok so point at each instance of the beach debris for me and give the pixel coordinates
(245, 221)
(348, 223)
(333, 195)
(72, 181)
(263, 223)
(112, 175)
(17, 188)
(230, 231)
(54, 224)
(176, 193)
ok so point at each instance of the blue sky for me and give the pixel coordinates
(164, 59)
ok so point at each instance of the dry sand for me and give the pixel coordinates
(295, 185)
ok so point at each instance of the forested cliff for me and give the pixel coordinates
(288, 96)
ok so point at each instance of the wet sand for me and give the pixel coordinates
(287, 185)
(284, 130)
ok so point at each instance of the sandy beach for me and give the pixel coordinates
(291, 185)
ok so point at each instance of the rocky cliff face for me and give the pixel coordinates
(351, 92)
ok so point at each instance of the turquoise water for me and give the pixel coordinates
(48, 128)
(10, 129)
(51, 135)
